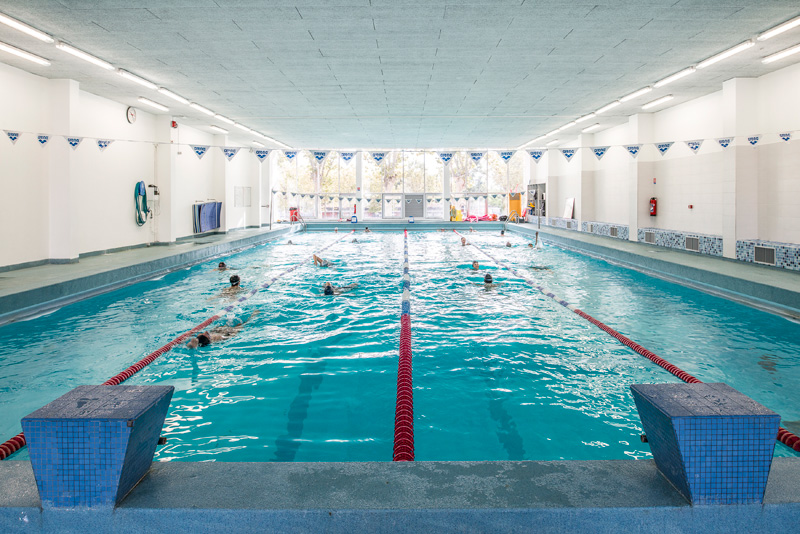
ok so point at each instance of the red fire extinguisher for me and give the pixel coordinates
(653, 205)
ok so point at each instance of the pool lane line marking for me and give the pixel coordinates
(14, 444)
(403, 450)
(784, 436)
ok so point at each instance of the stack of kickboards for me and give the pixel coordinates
(206, 216)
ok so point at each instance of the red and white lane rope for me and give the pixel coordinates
(14, 444)
(784, 436)
(404, 408)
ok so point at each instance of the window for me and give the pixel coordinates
(347, 175)
(498, 173)
(414, 172)
(434, 206)
(372, 207)
(372, 174)
(329, 174)
(393, 177)
(516, 175)
(434, 173)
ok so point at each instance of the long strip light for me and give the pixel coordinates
(218, 129)
(782, 54)
(173, 96)
(657, 102)
(605, 108)
(243, 127)
(84, 56)
(568, 125)
(548, 134)
(635, 94)
(23, 54)
(224, 119)
(585, 118)
(677, 76)
(786, 26)
(256, 143)
(201, 109)
(591, 128)
(152, 104)
(553, 142)
(268, 138)
(136, 79)
(24, 28)
(725, 55)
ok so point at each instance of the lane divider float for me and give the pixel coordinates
(14, 444)
(784, 436)
(404, 408)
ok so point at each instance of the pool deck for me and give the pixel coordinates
(545, 497)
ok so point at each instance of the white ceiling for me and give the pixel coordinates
(401, 73)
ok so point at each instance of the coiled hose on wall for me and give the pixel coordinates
(140, 202)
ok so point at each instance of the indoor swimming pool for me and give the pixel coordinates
(499, 374)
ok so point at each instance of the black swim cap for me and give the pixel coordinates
(328, 290)
(235, 280)
(203, 340)
(222, 264)
(487, 279)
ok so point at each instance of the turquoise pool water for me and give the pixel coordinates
(501, 374)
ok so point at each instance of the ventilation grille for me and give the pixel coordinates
(613, 231)
(649, 237)
(693, 243)
(590, 228)
(765, 255)
(569, 225)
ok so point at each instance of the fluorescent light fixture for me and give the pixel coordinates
(553, 142)
(657, 102)
(242, 127)
(520, 147)
(224, 119)
(218, 129)
(136, 79)
(256, 143)
(585, 118)
(152, 104)
(786, 26)
(605, 108)
(24, 28)
(173, 96)
(676, 76)
(640, 92)
(782, 54)
(591, 128)
(84, 56)
(548, 134)
(724, 55)
(268, 138)
(23, 54)
(569, 124)
(201, 109)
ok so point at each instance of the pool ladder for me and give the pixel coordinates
(510, 215)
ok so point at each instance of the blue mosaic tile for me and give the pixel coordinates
(787, 255)
(93, 444)
(714, 444)
(708, 244)
(560, 222)
(604, 229)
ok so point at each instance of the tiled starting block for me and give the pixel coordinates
(711, 442)
(91, 446)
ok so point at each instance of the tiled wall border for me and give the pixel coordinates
(604, 229)
(709, 244)
(787, 255)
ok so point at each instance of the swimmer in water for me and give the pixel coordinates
(367, 230)
(235, 287)
(464, 242)
(222, 267)
(354, 240)
(530, 245)
(489, 283)
(217, 334)
(320, 262)
(508, 243)
(502, 233)
(336, 230)
(289, 242)
(329, 290)
(471, 229)
(475, 266)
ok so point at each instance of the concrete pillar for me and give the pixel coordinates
(446, 192)
(360, 185)
(63, 239)
(740, 164)
(164, 217)
(585, 208)
(640, 175)
(222, 193)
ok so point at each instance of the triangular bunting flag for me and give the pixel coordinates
(753, 139)
(786, 136)
(536, 154)
(725, 141)
(74, 141)
(599, 151)
(633, 150)
(347, 156)
(13, 136)
(43, 139)
(663, 147)
(568, 153)
(290, 154)
(102, 144)
(199, 150)
(476, 156)
(319, 155)
(445, 157)
(262, 154)
(378, 156)
(507, 155)
(230, 151)
(694, 145)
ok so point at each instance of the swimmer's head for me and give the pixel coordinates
(530, 245)
(235, 280)
(290, 242)
(336, 230)
(200, 341)
(508, 243)
(475, 265)
(487, 279)
(222, 265)
(328, 289)
(463, 240)
(502, 232)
